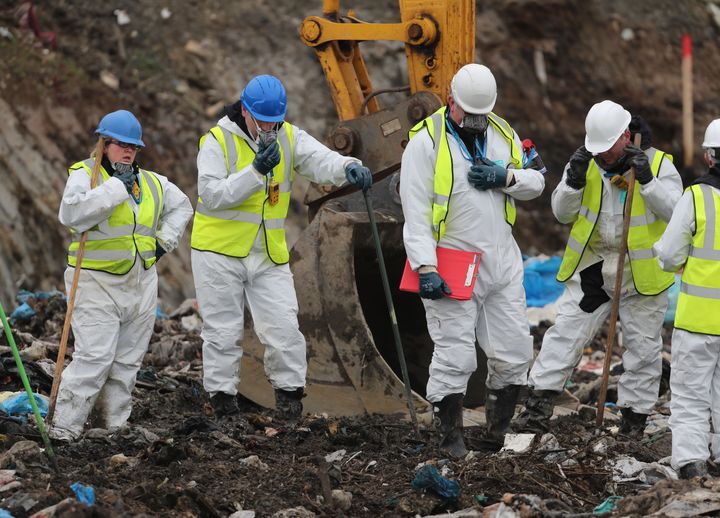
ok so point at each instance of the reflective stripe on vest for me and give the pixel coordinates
(232, 231)
(698, 304)
(113, 244)
(645, 230)
(443, 181)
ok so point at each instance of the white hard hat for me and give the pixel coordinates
(712, 135)
(604, 124)
(474, 88)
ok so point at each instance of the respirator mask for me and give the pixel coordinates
(474, 123)
(265, 138)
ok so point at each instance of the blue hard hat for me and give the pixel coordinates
(264, 97)
(121, 125)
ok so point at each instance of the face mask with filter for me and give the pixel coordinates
(265, 138)
(474, 123)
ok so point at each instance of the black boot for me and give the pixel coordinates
(632, 423)
(499, 411)
(288, 403)
(539, 406)
(224, 404)
(448, 414)
(694, 469)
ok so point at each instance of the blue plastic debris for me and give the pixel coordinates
(541, 287)
(22, 313)
(607, 506)
(24, 295)
(428, 477)
(5, 514)
(19, 404)
(160, 314)
(84, 494)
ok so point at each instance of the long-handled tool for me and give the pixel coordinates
(28, 389)
(391, 310)
(615, 308)
(60, 364)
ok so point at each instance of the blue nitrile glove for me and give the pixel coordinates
(159, 251)
(432, 286)
(486, 175)
(358, 175)
(267, 158)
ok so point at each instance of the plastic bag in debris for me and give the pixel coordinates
(5, 514)
(428, 477)
(607, 506)
(541, 287)
(19, 403)
(22, 313)
(84, 494)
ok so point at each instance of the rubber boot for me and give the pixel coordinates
(448, 415)
(539, 406)
(288, 403)
(224, 404)
(499, 411)
(632, 423)
(694, 469)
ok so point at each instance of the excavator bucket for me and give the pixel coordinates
(353, 366)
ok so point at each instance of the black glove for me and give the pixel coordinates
(639, 125)
(639, 160)
(576, 173)
(432, 286)
(126, 174)
(267, 158)
(159, 251)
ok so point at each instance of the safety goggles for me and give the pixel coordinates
(124, 145)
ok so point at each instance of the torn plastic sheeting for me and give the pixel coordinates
(84, 494)
(5, 514)
(541, 286)
(24, 295)
(627, 469)
(607, 506)
(22, 313)
(428, 477)
(19, 403)
(518, 442)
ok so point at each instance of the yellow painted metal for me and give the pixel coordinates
(439, 37)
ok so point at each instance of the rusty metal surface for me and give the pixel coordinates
(377, 139)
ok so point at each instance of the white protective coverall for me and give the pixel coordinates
(223, 283)
(113, 317)
(641, 316)
(496, 314)
(695, 369)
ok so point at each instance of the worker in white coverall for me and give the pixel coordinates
(591, 196)
(692, 242)
(132, 217)
(461, 173)
(246, 165)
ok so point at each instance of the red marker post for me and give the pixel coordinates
(687, 99)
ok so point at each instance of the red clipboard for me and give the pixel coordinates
(457, 267)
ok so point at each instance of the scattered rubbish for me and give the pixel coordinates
(518, 442)
(21, 454)
(428, 477)
(5, 33)
(294, 512)
(242, 514)
(121, 16)
(165, 13)
(627, 469)
(714, 11)
(5, 514)
(335, 456)
(84, 494)
(254, 461)
(19, 502)
(607, 506)
(121, 459)
(55, 510)
(541, 286)
(627, 34)
(341, 499)
(21, 314)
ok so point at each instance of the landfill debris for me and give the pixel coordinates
(341, 499)
(428, 477)
(627, 469)
(165, 13)
(294, 512)
(335, 456)
(120, 459)
(254, 461)
(539, 281)
(242, 514)
(19, 404)
(121, 16)
(607, 506)
(518, 442)
(84, 494)
(55, 509)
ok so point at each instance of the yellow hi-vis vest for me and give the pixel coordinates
(698, 304)
(113, 244)
(645, 230)
(232, 231)
(443, 185)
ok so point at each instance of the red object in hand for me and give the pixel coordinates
(686, 45)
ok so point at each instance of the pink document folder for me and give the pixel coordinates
(456, 267)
